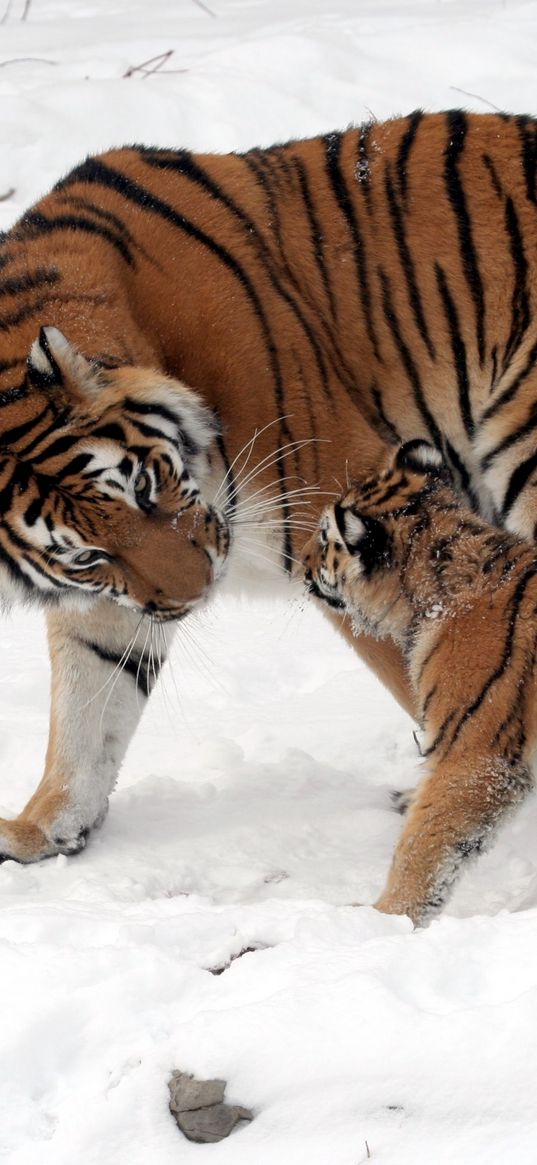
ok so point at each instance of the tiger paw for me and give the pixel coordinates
(401, 799)
(25, 841)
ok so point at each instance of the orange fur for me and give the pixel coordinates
(348, 291)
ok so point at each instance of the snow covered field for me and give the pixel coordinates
(253, 806)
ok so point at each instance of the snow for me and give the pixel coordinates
(253, 807)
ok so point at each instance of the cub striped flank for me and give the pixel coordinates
(403, 558)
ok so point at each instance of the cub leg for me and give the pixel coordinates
(452, 817)
(96, 705)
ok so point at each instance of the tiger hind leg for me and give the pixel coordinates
(453, 817)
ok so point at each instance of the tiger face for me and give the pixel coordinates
(101, 488)
(355, 560)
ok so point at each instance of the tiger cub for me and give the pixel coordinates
(401, 555)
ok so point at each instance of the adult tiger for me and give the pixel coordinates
(360, 288)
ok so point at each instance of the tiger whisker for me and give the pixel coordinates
(304, 496)
(291, 503)
(248, 445)
(270, 485)
(204, 662)
(270, 460)
(142, 654)
(274, 524)
(253, 542)
(119, 666)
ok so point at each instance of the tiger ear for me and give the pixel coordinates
(350, 526)
(420, 456)
(54, 365)
(365, 537)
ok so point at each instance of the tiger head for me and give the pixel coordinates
(355, 560)
(100, 487)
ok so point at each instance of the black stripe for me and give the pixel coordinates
(7, 365)
(61, 445)
(528, 139)
(134, 665)
(57, 583)
(94, 171)
(407, 262)
(457, 124)
(54, 376)
(317, 235)
(466, 482)
(112, 219)
(458, 349)
(75, 466)
(440, 736)
(112, 431)
(363, 165)
(231, 485)
(405, 149)
(183, 163)
(518, 596)
(517, 434)
(409, 365)
(520, 304)
(425, 704)
(510, 392)
(497, 186)
(517, 481)
(494, 370)
(387, 427)
(333, 142)
(10, 436)
(6, 257)
(19, 284)
(30, 309)
(34, 225)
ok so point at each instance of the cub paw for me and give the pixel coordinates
(401, 800)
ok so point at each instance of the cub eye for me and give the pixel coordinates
(142, 490)
(88, 557)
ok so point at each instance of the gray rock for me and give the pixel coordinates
(198, 1108)
(207, 1125)
(187, 1093)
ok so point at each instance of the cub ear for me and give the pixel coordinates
(419, 456)
(350, 526)
(54, 365)
(365, 537)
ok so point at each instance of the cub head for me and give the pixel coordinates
(355, 559)
(101, 478)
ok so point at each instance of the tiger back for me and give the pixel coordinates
(323, 298)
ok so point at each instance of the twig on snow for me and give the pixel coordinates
(7, 194)
(456, 89)
(157, 63)
(204, 7)
(17, 60)
(24, 13)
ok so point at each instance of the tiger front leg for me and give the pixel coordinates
(452, 818)
(103, 669)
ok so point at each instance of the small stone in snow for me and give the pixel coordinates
(187, 1093)
(198, 1108)
(207, 1125)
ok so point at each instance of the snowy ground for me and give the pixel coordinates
(254, 802)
